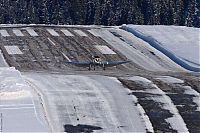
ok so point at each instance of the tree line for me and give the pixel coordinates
(101, 12)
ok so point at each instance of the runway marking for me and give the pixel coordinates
(80, 33)
(53, 32)
(93, 32)
(13, 50)
(17, 32)
(15, 105)
(4, 33)
(104, 49)
(66, 57)
(32, 32)
(67, 33)
(17, 108)
(51, 41)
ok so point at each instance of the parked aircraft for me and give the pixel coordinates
(96, 61)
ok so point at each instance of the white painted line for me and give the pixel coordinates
(80, 33)
(51, 41)
(32, 32)
(67, 33)
(104, 49)
(13, 50)
(15, 105)
(66, 57)
(17, 32)
(17, 108)
(4, 33)
(53, 32)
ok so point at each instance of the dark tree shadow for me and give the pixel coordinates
(80, 128)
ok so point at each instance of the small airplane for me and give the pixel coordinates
(96, 61)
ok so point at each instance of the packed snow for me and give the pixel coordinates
(89, 100)
(183, 46)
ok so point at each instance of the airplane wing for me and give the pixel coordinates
(81, 64)
(114, 63)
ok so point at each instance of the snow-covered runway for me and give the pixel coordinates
(88, 100)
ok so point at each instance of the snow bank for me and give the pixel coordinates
(12, 86)
(3, 62)
(20, 109)
(180, 44)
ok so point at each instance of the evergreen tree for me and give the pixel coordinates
(103, 12)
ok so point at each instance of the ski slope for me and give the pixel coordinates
(181, 44)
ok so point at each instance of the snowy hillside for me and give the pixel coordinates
(181, 44)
